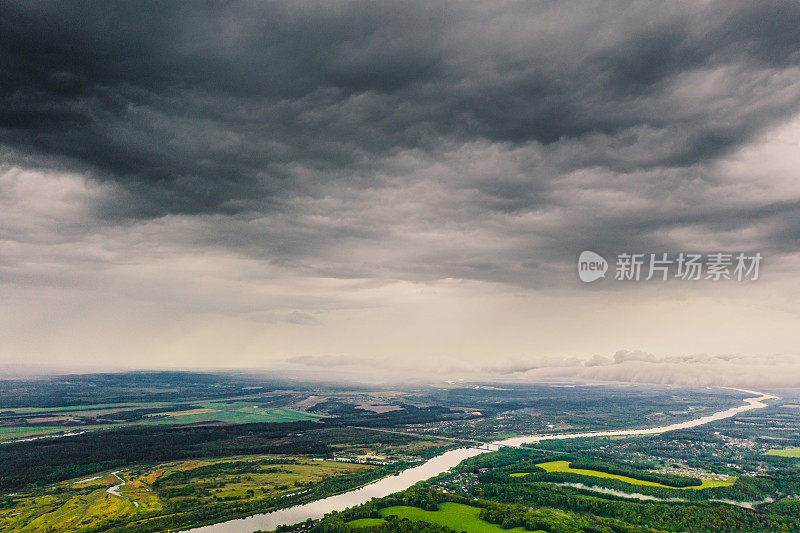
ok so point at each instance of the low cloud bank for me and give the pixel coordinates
(731, 370)
(634, 366)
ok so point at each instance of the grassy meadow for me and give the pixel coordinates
(785, 452)
(456, 516)
(24, 422)
(72, 505)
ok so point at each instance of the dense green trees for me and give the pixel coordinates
(673, 516)
(557, 510)
(507, 516)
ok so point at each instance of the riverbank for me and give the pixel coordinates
(438, 465)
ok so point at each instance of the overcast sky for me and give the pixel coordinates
(398, 187)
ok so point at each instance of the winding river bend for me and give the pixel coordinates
(439, 464)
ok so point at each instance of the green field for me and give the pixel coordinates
(235, 412)
(785, 452)
(563, 466)
(72, 505)
(88, 407)
(15, 432)
(456, 516)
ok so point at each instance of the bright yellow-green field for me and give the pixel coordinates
(785, 452)
(71, 505)
(563, 466)
(456, 516)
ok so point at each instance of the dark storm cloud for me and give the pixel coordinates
(292, 121)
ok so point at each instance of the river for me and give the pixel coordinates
(437, 465)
